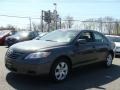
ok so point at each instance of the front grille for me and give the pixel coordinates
(13, 54)
(11, 40)
(117, 47)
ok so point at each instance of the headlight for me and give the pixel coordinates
(17, 38)
(37, 55)
(117, 49)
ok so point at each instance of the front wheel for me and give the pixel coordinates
(60, 70)
(109, 60)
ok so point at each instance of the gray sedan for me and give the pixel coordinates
(58, 52)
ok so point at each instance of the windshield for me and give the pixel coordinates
(40, 35)
(114, 39)
(60, 36)
(3, 33)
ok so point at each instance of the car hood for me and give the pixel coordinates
(117, 44)
(13, 36)
(36, 45)
(17, 37)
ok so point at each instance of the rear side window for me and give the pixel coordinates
(99, 38)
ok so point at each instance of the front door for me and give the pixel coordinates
(85, 52)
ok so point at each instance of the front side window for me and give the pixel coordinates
(87, 36)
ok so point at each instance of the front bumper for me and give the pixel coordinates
(1, 41)
(117, 53)
(10, 42)
(27, 68)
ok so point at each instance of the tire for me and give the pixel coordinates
(109, 60)
(60, 70)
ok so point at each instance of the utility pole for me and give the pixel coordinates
(42, 21)
(55, 11)
(101, 25)
(117, 25)
(60, 23)
(49, 20)
(69, 26)
(30, 24)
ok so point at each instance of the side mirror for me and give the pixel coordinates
(81, 41)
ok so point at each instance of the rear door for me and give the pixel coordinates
(101, 44)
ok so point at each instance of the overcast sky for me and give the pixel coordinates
(79, 9)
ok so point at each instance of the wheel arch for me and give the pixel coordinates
(63, 56)
(112, 53)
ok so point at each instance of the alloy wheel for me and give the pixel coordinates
(61, 71)
(109, 60)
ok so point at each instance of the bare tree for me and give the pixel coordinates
(89, 24)
(68, 21)
(108, 24)
(8, 27)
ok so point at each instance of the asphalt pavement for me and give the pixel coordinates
(92, 77)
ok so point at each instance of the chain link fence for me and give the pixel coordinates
(28, 23)
(103, 27)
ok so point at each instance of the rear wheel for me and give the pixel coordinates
(109, 60)
(60, 70)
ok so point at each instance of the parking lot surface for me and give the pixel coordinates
(92, 77)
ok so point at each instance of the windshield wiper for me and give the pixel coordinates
(51, 40)
(37, 39)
